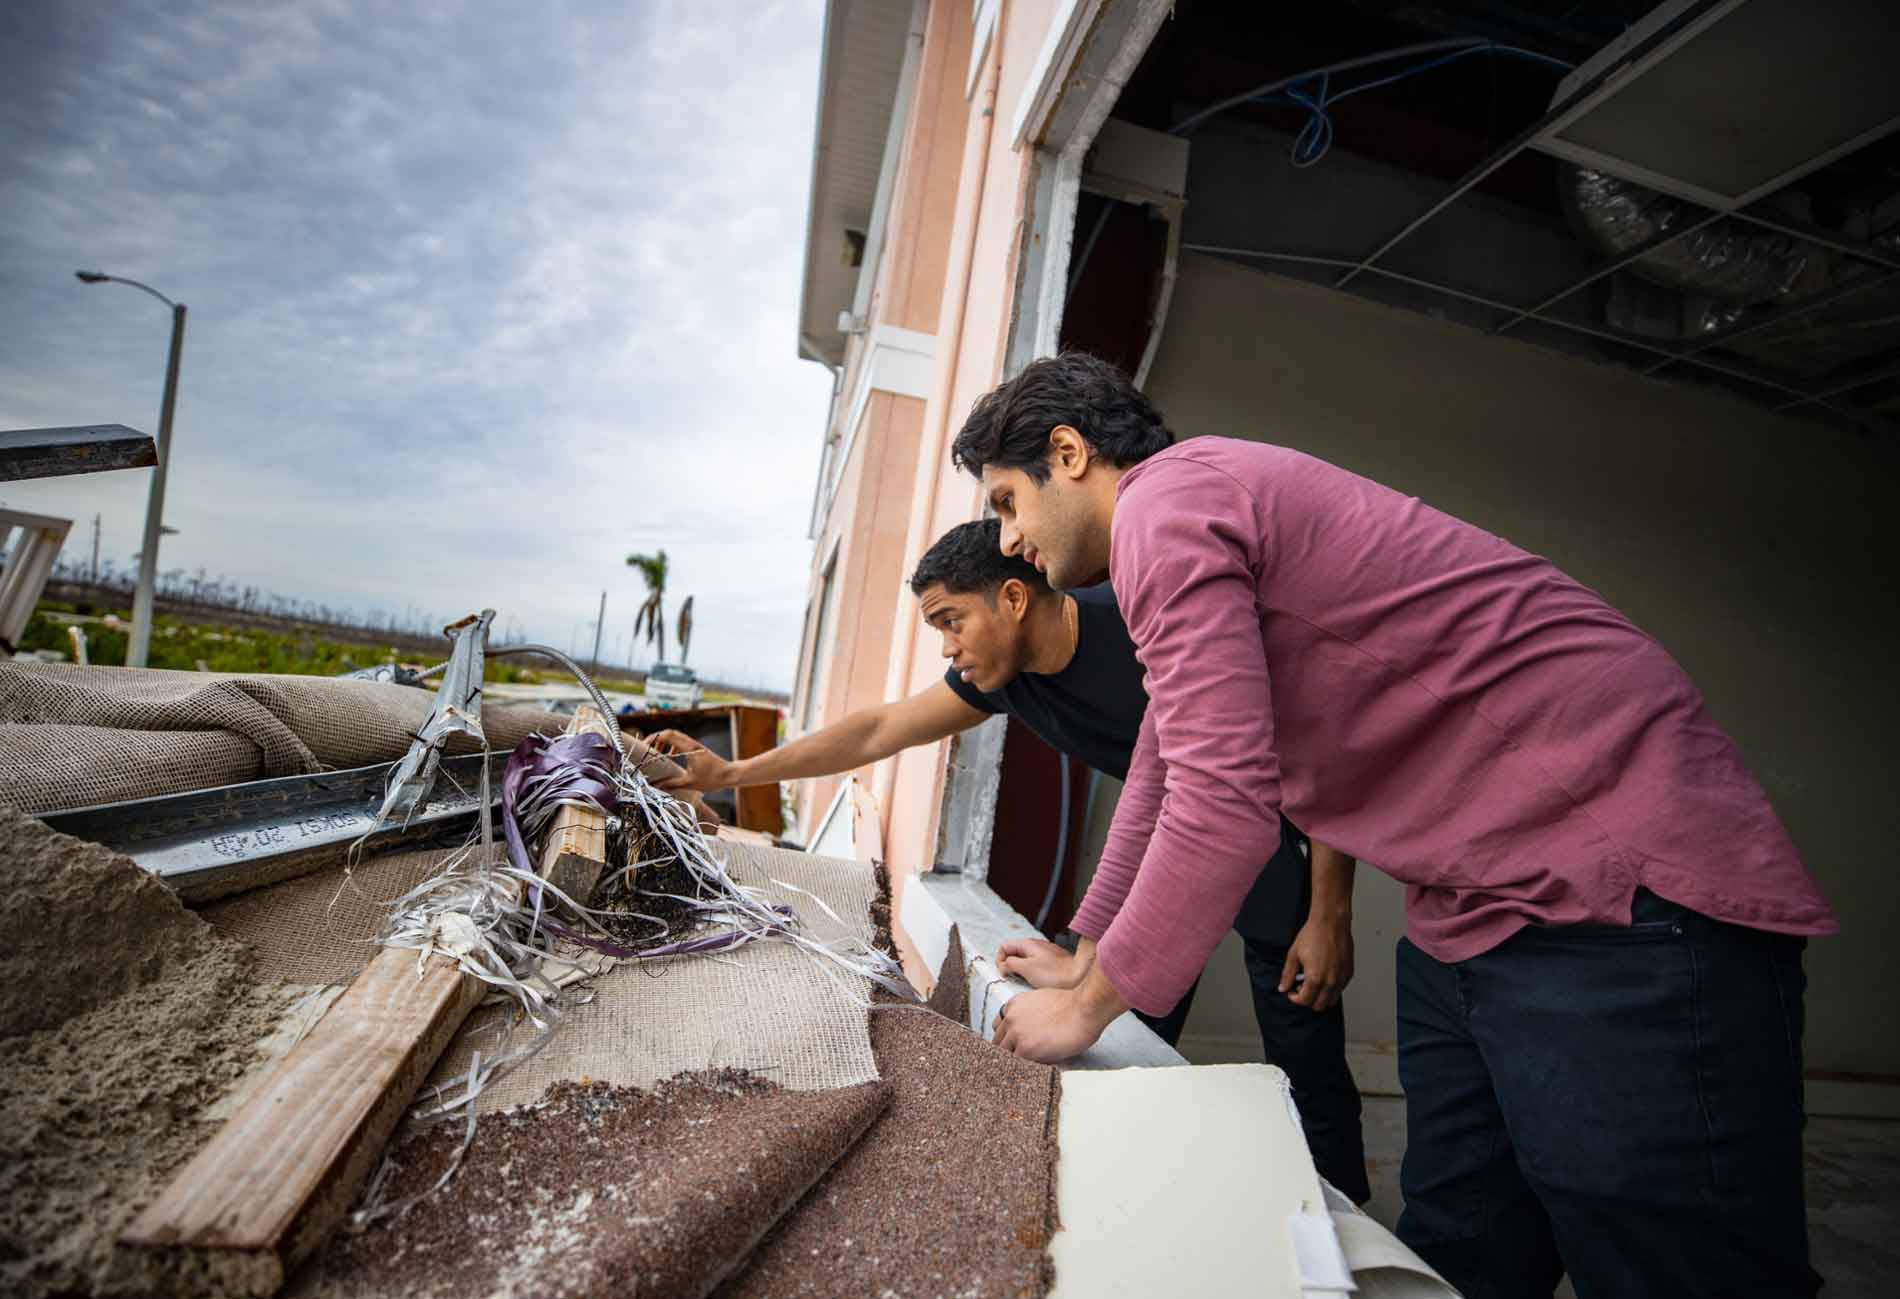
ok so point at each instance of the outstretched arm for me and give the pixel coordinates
(866, 736)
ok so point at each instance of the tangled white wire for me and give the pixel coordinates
(500, 924)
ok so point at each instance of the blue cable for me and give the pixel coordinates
(1315, 139)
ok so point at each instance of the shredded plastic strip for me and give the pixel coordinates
(500, 920)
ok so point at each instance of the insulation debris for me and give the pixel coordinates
(123, 1018)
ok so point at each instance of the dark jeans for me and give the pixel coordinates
(1623, 1104)
(1310, 1048)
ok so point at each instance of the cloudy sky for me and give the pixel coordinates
(482, 296)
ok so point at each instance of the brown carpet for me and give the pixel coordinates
(601, 1191)
(951, 1192)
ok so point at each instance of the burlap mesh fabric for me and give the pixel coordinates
(320, 928)
(74, 736)
(766, 1007)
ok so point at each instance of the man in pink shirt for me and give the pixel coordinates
(1600, 986)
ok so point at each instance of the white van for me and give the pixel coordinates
(672, 685)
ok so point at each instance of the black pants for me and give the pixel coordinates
(1621, 1104)
(1309, 1047)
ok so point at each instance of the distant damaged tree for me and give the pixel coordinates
(652, 616)
(685, 628)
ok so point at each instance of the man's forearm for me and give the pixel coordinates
(850, 744)
(1332, 882)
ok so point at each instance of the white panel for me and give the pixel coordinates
(900, 361)
(32, 559)
(1067, 26)
(932, 902)
(1725, 112)
(1171, 1181)
(985, 21)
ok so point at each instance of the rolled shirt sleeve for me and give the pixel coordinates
(1185, 558)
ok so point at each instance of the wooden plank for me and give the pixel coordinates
(575, 850)
(85, 449)
(755, 730)
(282, 1172)
(279, 1176)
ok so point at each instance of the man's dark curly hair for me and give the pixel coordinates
(969, 558)
(1009, 426)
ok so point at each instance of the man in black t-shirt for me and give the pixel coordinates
(1064, 665)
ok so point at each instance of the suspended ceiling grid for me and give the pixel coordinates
(1736, 112)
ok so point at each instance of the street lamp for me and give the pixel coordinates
(135, 652)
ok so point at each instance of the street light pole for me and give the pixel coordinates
(141, 642)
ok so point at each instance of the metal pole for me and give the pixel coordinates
(95, 548)
(599, 622)
(135, 653)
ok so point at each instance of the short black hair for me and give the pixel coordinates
(1009, 426)
(969, 558)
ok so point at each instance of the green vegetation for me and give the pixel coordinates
(186, 645)
(221, 647)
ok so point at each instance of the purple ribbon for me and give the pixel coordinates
(578, 767)
(581, 767)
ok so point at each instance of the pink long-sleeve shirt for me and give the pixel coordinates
(1417, 693)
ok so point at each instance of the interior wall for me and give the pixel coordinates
(1758, 548)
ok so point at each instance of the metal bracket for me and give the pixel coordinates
(458, 709)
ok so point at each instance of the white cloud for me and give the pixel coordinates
(482, 297)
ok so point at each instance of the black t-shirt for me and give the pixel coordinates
(1092, 710)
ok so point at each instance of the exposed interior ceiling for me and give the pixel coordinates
(1707, 191)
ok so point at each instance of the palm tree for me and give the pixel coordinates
(652, 615)
(685, 627)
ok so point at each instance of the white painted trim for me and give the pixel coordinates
(819, 496)
(1052, 293)
(896, 360)
(929, 904)
(1067, 28)
(1051, 217)
(813, 697)
(817, 837)
(1170, 270)
(888, 165)
(31, 563)
(902, 361)
(984, 21)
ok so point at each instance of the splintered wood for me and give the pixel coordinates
(576, 847)
(281, 1174)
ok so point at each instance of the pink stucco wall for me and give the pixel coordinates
(949, 269)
